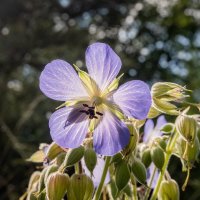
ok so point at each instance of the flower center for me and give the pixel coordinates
(90, 111)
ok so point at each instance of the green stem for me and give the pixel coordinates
(134, 187)
(105, 170)
(168, 154)
(151, 181)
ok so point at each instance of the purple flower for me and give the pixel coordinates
(150, 133)
(97, 173)
(93, 104)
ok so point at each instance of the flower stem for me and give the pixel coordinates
(150, 184)
(168, 154)
(134, 187)
(105, 170)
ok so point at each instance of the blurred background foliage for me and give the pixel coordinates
(157, 40)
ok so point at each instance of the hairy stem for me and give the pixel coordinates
(168, 154)
(134, 187)
(105, 170)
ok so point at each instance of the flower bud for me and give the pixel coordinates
(50, 170)
(158, 157)
(56, 186)
(146, 157)
(90, 158)
(31, 195)
(41, 184)
(60, 158)
(122, 175)
(139, 171)
(189, 152)
(169, 190)
(187, 127)
(168, 128)
(73, 156)
(160, 141)
(37, 157)
(80, 188)
(153, 112)
(133, 141)
(170, 91)
(53, 151)
(163, 93)
(33, 182)
(116, 158)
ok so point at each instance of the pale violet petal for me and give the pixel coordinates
(68, 127)
(111, 135)
(103, 64)
(150, 172)
(161, 121)
(148, 129)
(98, 171)
(134, 99)
(59, 81)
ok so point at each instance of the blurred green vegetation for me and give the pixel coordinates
(157, 40)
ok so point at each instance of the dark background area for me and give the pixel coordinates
(157, 40)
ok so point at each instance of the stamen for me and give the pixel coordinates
(98, 113)
(91, 112)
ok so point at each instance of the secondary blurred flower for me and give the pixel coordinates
(93, 104)
(150, 133)
(97, 173)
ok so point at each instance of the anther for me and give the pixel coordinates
(98, 113)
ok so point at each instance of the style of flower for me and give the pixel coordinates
(150, 133)
(93, 103)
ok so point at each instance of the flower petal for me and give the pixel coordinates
(103, 64)
(59, 81)
(98, 171)
(160, 122)
(150, 172)
(148, 129)
(111, 135)
(68, 127)
(134, 98)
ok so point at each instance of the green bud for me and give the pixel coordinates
(90, 158)
(50, 170)
(116, 158)
(113, 188)
(169, 190)
(73, 156)
(81, 187)
(187, 127)
(165, 106)
(33, 182)
(164, 93)
(139, 171)
(37, 157)
(122, 175)
(146, 157)
(41, 184)
(190, 152)
(56, 186)
(60, 158)
(153, 112)
(161, 142)
(31, 195)
(132, 142)
(53, 151)
(169, 90)
(168, 128)
(158, 157)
